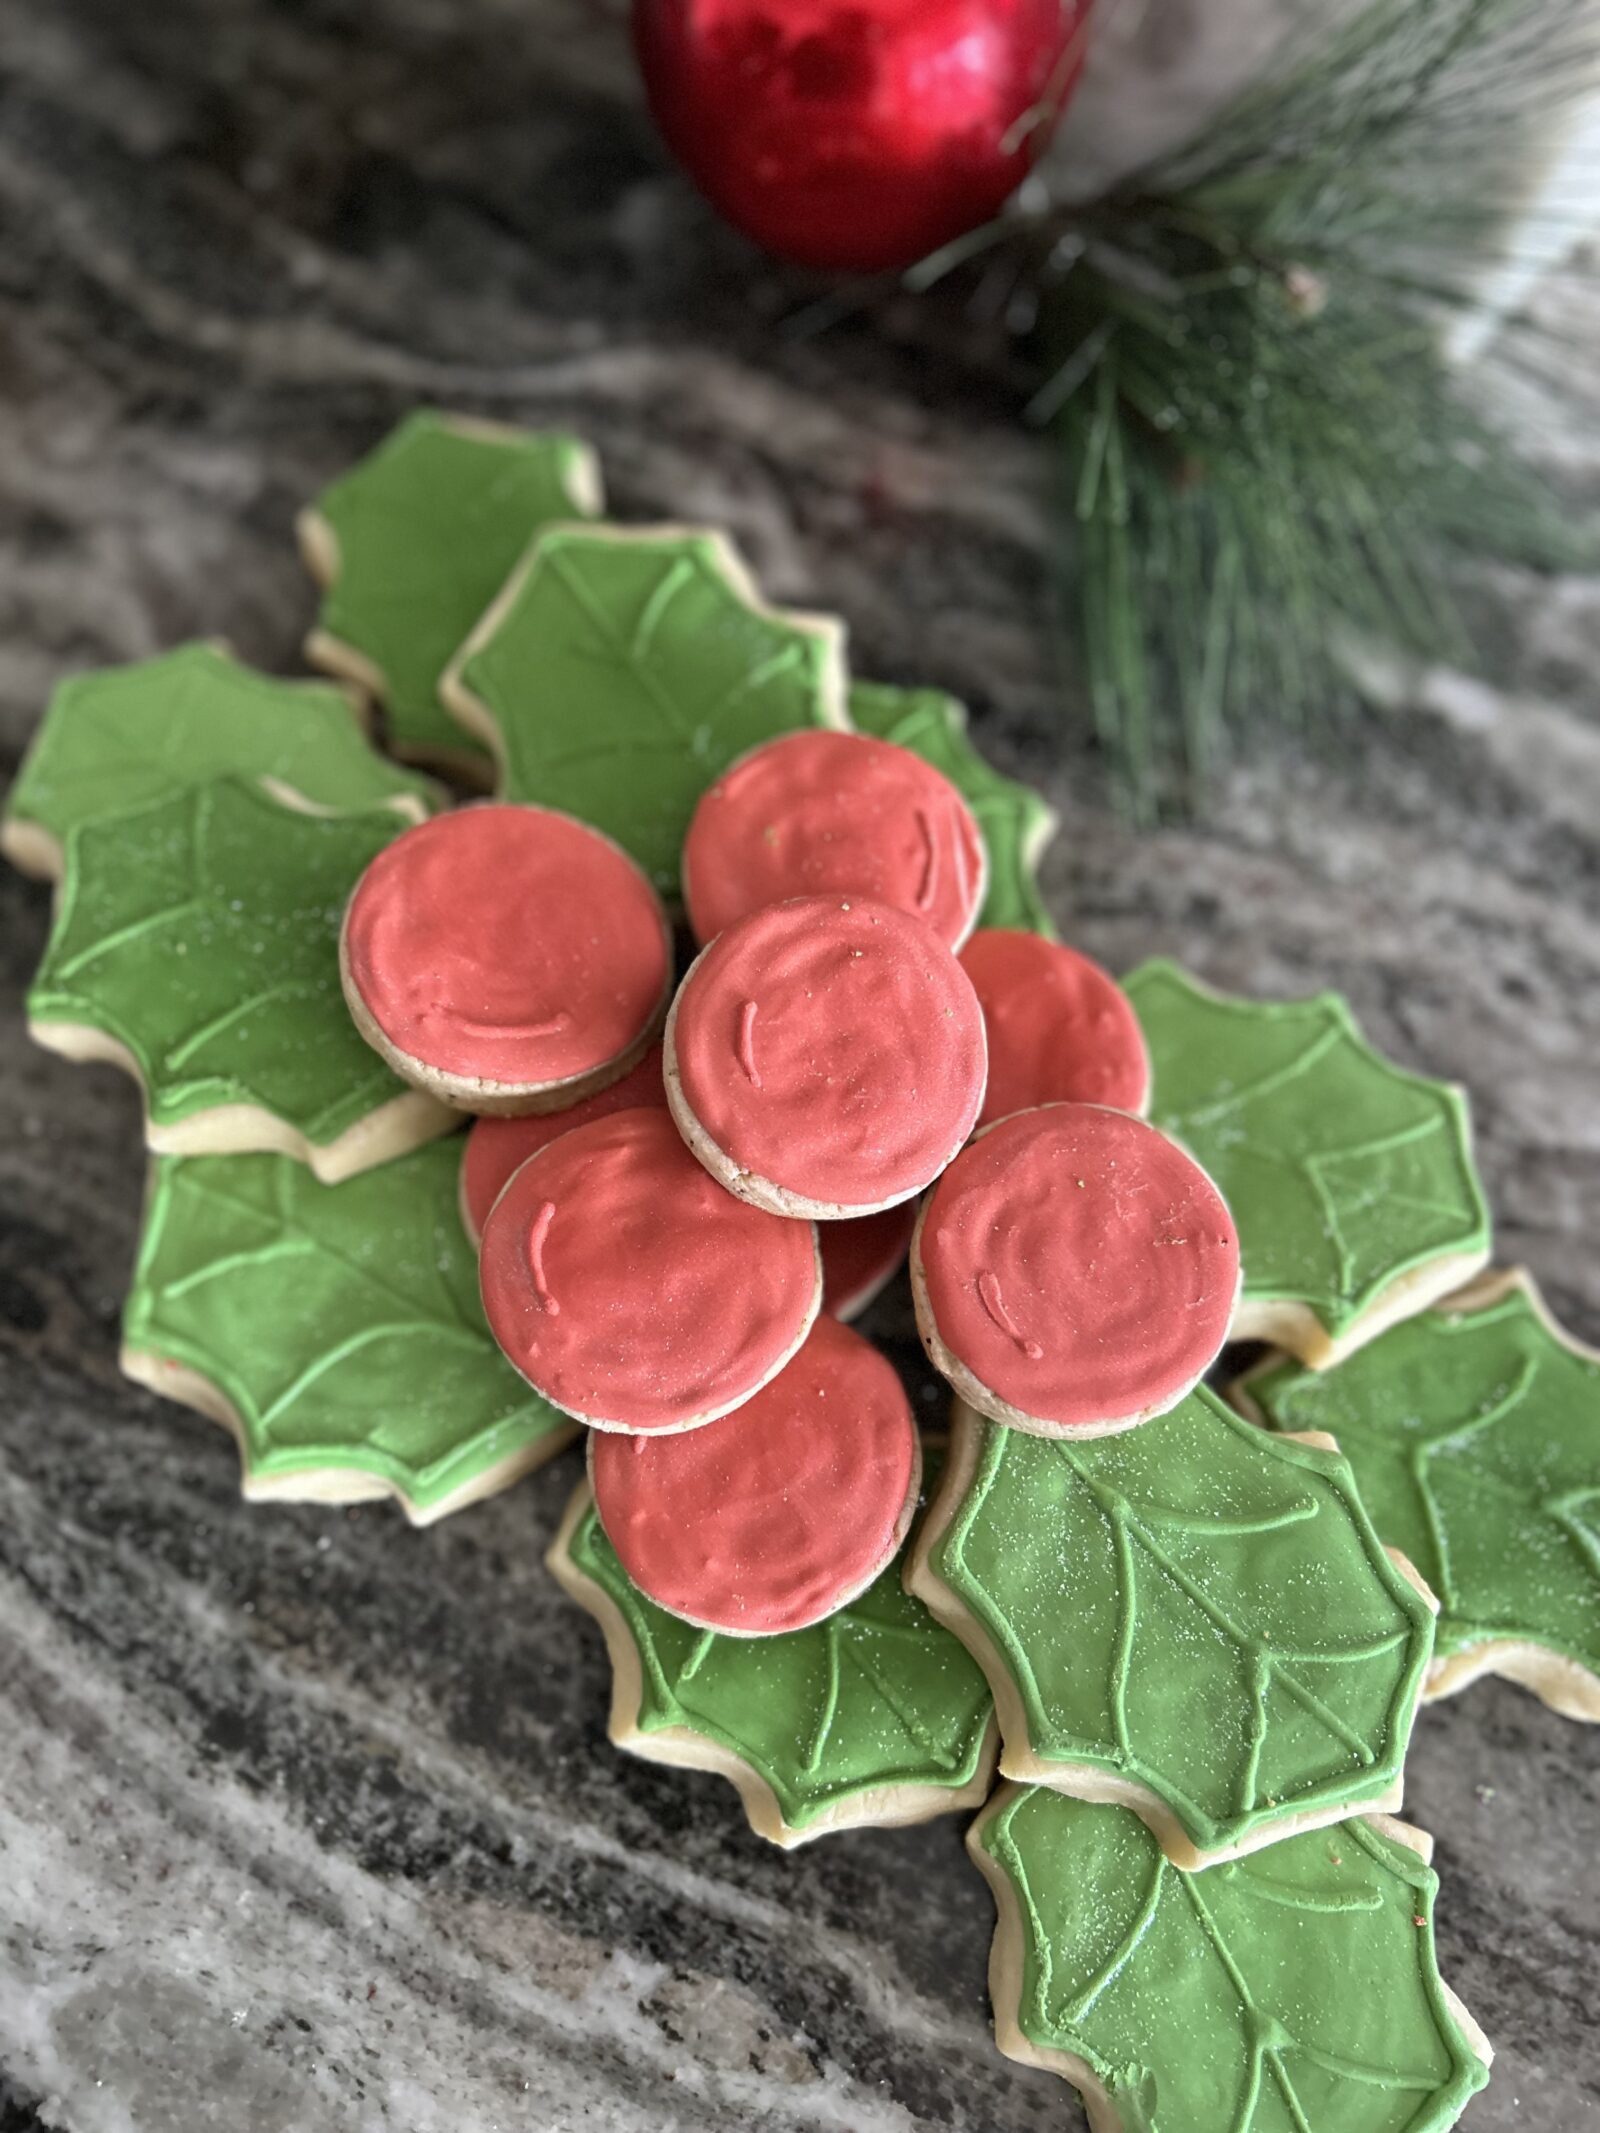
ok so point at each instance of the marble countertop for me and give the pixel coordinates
(308, 1821)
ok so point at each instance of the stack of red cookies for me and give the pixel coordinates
(682, 1193)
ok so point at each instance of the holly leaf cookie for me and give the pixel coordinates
(1170, 1620)
(876, 1715)
(413, 544)
(122, 738)
(619, 673)
(335, 1330)
(1017, 822)
(1351, 1181)
(1296, 1990)
(196, 943)
(1474, 1433)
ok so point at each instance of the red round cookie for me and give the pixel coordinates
(1074, 1271)
(825, 1057)
(498, 1146)
(823, 813)
(777, 1516)
(861, 1255)
(506, 958)
(1061, 1029)
(631, 1290)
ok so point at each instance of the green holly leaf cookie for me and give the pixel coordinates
(335, 1329)
(620, 673)
(196, 943)
(1351, 1181)
(1474, 1433)
(875, 1716)
(1297, 1991)
(413, 544)
(119, 739)
(1193, 1618)
(1017, 823)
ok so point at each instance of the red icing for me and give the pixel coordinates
(648, 1298)
(1080, 1265)
(818, 813)
(497, 1146)
(1061, 1030)
(867, 1041)
(509, 945)
(860, 1255)
(777, 1515)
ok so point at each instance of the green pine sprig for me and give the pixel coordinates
(1263, 444)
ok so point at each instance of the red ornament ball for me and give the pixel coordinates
(858, 135)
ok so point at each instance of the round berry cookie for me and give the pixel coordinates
(506, 959)
(498, 1146)
(776, 1516)
(825, 1057)
(821, 813)
(861, 1257)
(1074, 1271)
(1060, 1029)
(631, 1290)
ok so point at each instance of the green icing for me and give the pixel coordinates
(1016, 821)
(428, 528)
(1296, 1991)
(877, 1696)
(1475, 1439)
(341, 1322)
(202, 935)
(1343, 1172)
(625, 672)
(119, 739)
(1197, 1607)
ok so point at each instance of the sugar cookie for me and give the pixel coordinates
(860, 1257)
(778, 1515)
(1195, 1619)
(1304, 1980)
(506, 959)
(631, 1290)
(1060, 1029)
(1074, 1271)
(825, 1057)
(834, 814)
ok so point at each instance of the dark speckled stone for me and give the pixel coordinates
(306, 1820)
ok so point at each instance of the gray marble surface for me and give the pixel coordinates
(307, 1821)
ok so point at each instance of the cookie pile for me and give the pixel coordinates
(1185, 1627)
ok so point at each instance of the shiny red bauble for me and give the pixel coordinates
(858, 135)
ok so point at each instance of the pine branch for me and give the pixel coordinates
(1263, 446)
